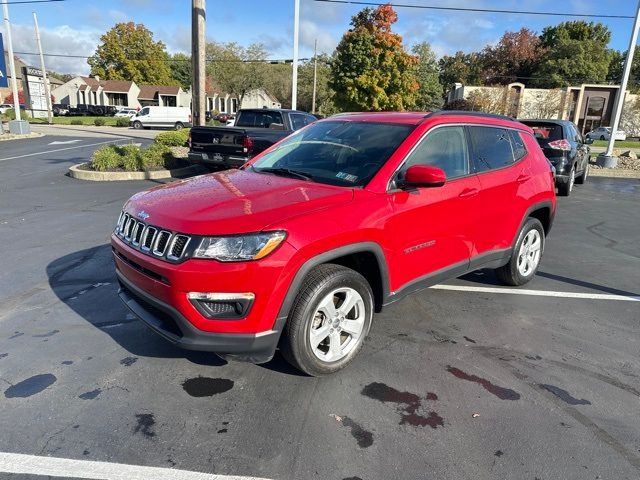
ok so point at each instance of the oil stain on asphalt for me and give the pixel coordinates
(90, 395)
(30, 386)
(206, 387)
(45, 335)
(128, 361)
(408, 404)
(16, 335)
(564, 395)
(145, 423)
(362, 436)
(500, 392)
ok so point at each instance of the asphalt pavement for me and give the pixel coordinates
(467, 382)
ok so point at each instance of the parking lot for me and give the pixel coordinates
(465, 381)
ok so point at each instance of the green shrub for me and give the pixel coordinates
(131, 158)
(156, 155)
(173, 138)
(122, 122)
(99, 122)
(11, 114)
(106, 158)
(77, 121)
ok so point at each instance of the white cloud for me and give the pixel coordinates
(63, 40)
(310, 31)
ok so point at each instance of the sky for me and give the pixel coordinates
(74, 27)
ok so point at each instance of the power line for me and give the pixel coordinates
(476, 10)
(271, 61)
(17, 2)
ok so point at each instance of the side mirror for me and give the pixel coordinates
(588, 140)
(423, 176)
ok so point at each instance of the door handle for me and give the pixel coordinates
(523, 178)
(468, 192)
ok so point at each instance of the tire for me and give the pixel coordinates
(602, 137)
(178, 126)
(317, 307)
(565, 189)
(583, 178)
(515, 272)
(137, 125)
(99, 112)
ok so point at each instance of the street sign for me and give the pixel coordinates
(3, 68)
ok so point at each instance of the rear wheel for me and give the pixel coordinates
(526, 255)
(178, 126)
(564, 189)
(329, 321)
(583, 178)
(602, 137)
(137, 125)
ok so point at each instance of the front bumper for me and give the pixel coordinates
(171, 324)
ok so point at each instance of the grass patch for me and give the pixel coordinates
(86, 120)
(617, 144)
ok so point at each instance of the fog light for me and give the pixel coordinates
(224, 306)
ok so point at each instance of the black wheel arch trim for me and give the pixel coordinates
(326, 257)
(537, 206)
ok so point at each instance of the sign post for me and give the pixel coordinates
(4, 76)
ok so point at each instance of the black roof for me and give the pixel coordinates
(546, 120)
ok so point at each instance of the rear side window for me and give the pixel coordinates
(258, 119)
(491, 148)
(445, 148)
(299, 120)
(519, 150)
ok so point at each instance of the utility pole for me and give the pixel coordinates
(315, 75)
(12, 63)
(198, 93)
(47, 90)
(623, 86)
(296, 27)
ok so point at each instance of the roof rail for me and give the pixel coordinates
(473, 114)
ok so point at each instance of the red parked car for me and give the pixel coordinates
(299, 247)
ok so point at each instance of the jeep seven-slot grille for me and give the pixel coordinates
(149, 239)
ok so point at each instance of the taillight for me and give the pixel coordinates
(563, 145)
(247, 144)
(189, 138)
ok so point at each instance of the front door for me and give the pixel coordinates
(430, 226)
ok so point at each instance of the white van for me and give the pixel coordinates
(166, 117)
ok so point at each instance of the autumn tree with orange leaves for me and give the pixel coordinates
(371, 70)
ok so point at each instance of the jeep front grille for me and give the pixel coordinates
(151, 240)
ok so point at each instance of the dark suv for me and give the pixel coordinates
(565, 148)
(299, 247)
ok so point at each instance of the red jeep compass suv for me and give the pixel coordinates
(299, 247)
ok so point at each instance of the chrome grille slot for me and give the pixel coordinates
(178, 246)
(161, 243)
(148, 238)
(137, 234)
(128, 228)
(122, 224)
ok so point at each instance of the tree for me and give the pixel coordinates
(430, 90)
(465, 68)
(21, 98)
(180, 66)
(576, 52)
(630, 119)
(371, 70)
(64, 77)
(458, 104)
(128, 52)
(489, 99)
(324, 93)
(236, 69)
(514, 58)
(543, 104)
(616, 68)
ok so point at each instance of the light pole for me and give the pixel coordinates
(294, 80)
(12, 63)
(608, 161)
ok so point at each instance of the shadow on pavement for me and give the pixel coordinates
(86, 282)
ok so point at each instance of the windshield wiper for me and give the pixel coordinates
(285, 172)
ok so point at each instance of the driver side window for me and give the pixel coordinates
(445, 148)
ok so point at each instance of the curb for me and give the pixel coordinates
(7, 137)
(93, 176)
(614, 173)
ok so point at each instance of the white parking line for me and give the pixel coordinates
(61, 149)
(539, 293)
(64, 467)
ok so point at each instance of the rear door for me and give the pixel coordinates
(430, 226)
(501, 161)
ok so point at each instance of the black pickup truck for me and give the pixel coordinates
(254, 130)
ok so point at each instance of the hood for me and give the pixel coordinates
(234, 201)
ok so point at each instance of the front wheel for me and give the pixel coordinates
(178, 126)
(329, 320)
(137, 125)
(583, 178)
(602, 137)
(526, 255)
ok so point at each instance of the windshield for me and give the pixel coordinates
(336, 152)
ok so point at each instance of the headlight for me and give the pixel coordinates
(242, 247)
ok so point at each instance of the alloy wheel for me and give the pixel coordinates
(529, 253)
